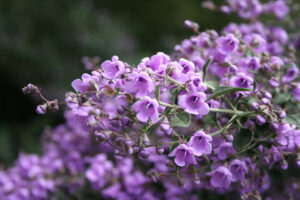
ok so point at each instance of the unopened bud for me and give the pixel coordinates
(144, 153)
(52, 105)
(254, 106)
(159, 150)
(191, 25)
(41, 109)
(30, 88)
(282, 115)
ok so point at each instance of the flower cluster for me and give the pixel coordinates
(217, 115)
(249, 9)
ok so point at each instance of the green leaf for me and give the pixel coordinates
(182, 119)
(254, 85)
(209, 119)
(206, 65)
(282, 98)
(225, 90)
(157, 92)
(212, 84)
(174, 92)
(242, 139)
(293, 119)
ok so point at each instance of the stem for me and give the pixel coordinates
(221, 110)
(221, 130)
(234, 108)
(229, 123)
(168, 105)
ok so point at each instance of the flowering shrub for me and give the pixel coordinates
(217, 115)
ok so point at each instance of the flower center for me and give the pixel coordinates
(243, 82)
(201, 138)
(141, 79)
(195, 99)
(149, 105)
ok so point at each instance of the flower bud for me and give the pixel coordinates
(41, 109)
(30, 88)
(100, 136)
(159, 149)
(144, 153)
(282, 115)
(145, 139)
(255, 106)
(268, 95)
(260, 120)
(265, 101)
(52, 105)
(191, 25)
(284, 164)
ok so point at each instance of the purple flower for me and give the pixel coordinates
(291, 74)
(253, 63)
(113, 68)
(256, 41)
(194, 103)
(139, 84)
(238, 169)
(260, 120)
(100, 167)
(146, 108)
(201, 143)
(224, 149)
(241, 80)
(284, 131)
(183, 155)
(220, 177)
(296, 92)
(157, 60)
(279, 8)
(86, 83)
(246, 8)
(227, 44)
(187, 66)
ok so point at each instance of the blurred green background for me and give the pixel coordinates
(42, 42)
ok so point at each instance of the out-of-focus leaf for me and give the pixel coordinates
(242, 139)
(182, 119)
(225, 90)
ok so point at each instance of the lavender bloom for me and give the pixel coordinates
(224, 149)
(296, 92)
(227, 44)
(86, 83)
(139, 84)
(184, 155)
(256, 41)
(241, 80)
(201, 143)
(146, 108)
(253, 63)
(113, 68)
(220, 177)
(100, 167)
(291, 74)
(194, 103)
(187, 66)
(238, 169)
(157, 60)
(279, 8)
(246, 8)
(284, 131)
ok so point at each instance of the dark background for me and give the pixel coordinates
(42, 42)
